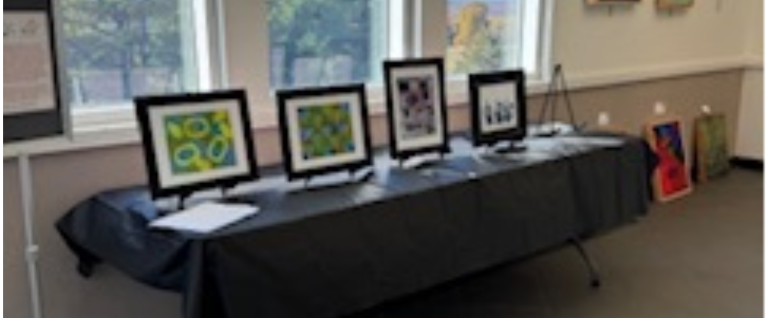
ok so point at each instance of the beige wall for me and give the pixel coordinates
(590, 42)
(595, 41)
(750, 141)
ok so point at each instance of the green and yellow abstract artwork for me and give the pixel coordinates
(200, 142)
(675, 4)
(712, 154)
(326, 131)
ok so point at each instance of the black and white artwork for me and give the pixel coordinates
(498, 107)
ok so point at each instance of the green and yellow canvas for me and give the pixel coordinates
(200, 142)
(326, 131)
(712, 156)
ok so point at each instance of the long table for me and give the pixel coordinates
(336, 250)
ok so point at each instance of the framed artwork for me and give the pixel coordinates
(417, 109)
(324, 130)
(712, 158)
(672, 176)
(32, 103)
(674, 4)
(196, 142)
(604, 2)
(498, 107)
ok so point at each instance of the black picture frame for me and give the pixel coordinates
(438, 141)
(27, 126)
(484, 132)
(297, 163)
(235, 103)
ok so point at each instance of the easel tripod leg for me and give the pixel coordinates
(593, 271)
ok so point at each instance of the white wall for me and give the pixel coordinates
(598, 42)
(750, 142)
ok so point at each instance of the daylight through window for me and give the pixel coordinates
(117, 49)
(326, 42)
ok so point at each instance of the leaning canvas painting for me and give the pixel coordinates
(712, 157)
(672, 176)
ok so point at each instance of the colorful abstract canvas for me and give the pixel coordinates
(712, 156)
(672, 178)
(199, 142)
(326, 131)
(195, 142)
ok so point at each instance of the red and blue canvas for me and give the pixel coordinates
(672, 166)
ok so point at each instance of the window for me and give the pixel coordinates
(118, 49)
(488, 35)
(115, 50)
(325, 42)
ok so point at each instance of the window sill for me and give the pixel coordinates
(106, 136)
(125, 133)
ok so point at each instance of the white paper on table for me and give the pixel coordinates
(206, 218)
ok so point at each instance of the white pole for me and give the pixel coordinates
(32, 249)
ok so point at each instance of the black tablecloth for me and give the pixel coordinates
(335, 250)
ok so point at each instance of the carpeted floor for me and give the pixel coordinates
(701, 256)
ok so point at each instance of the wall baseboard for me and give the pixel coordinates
(748, 163)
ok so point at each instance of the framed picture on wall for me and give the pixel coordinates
(671, 178)
(417, 110)
(32, 101)
(712, 156)
(674, 4)
(498, 107)
(605, 2)
(324, 130)
(196, 142)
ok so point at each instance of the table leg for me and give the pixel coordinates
(593, 271)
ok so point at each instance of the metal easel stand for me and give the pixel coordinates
(558, 88)
(593, 269)
(32, 250)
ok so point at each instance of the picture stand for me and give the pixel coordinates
(558, 88)
(183, 198)
(422, 161)
(355, 176)
(511, 147)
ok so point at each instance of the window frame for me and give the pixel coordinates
(457, 85)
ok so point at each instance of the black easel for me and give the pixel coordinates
(402, 162)
(185, 196)
(558, 88)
